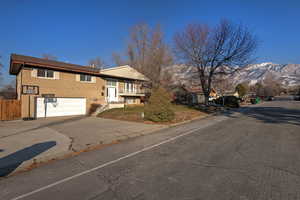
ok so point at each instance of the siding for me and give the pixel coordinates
(64, 85)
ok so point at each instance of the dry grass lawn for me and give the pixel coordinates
(134, 113)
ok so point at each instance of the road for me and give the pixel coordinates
(252, 153)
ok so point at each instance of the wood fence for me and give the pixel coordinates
(10, 109)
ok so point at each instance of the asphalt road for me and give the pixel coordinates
(253, 153)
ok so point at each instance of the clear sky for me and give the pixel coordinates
(78, 30)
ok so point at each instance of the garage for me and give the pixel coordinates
(54, 107)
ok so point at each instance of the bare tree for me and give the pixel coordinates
(97, 63)
(8, 91)
(217, 50)
(222, 84)
(147, 52)
(118, 60)
(49, 56)
(272, 86)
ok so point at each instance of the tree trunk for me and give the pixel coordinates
(206, 99)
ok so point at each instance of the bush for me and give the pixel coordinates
(158, 108)
(242, 89)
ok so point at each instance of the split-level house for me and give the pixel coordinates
(51, 88)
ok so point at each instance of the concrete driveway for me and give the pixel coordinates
(23, 143)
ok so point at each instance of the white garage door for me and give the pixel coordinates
(62, 107)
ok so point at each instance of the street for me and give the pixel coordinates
(250, 153)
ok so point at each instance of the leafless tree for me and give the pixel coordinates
(147, 52)
(222, 84)
(49, 56)
(272, 86)
(217, 50)
(118, 60)
(97, 63)
(8, 91)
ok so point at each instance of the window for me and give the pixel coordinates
(111, 83)
(130, 100)
(45, 73)
(129, 87)
(85, 78)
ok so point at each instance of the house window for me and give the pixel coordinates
(111, 83)
(45, 73)
(85, 78)
(130, 100)
(129, 87)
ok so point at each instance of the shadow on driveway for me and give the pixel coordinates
(10, 162)
(273, 115)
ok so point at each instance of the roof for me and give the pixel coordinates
(16, 62)
(127, 72)
(124, 72)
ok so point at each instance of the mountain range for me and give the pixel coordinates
(287, 74)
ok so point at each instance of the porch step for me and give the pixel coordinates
(107, 107)
(101, 109)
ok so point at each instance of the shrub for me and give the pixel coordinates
(242, 89)
(158, 108)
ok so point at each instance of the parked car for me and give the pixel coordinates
(229, 101)
(269, 98)
(297, 98)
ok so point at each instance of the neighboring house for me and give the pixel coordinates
(190, 95)
(232, 93)
(197, 96)
(52, 88)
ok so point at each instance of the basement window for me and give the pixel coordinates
(45, 73)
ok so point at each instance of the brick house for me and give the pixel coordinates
(51, 88)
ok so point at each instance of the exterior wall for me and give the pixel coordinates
(65, 84)
(121, 90)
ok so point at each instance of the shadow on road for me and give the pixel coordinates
(10, 162)
(271, 114)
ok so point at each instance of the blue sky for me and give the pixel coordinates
(76, 31)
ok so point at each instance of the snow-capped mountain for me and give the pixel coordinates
(287, 74)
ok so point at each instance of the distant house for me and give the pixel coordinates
(51, 88)
(191, 95)
(232, 93)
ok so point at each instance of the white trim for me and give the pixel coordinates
(45, 77)
(91, 81)
(115, 68)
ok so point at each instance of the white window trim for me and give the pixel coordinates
(43, 77)
(93, 79)
(129, 87)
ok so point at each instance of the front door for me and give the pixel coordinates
(111, 94)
